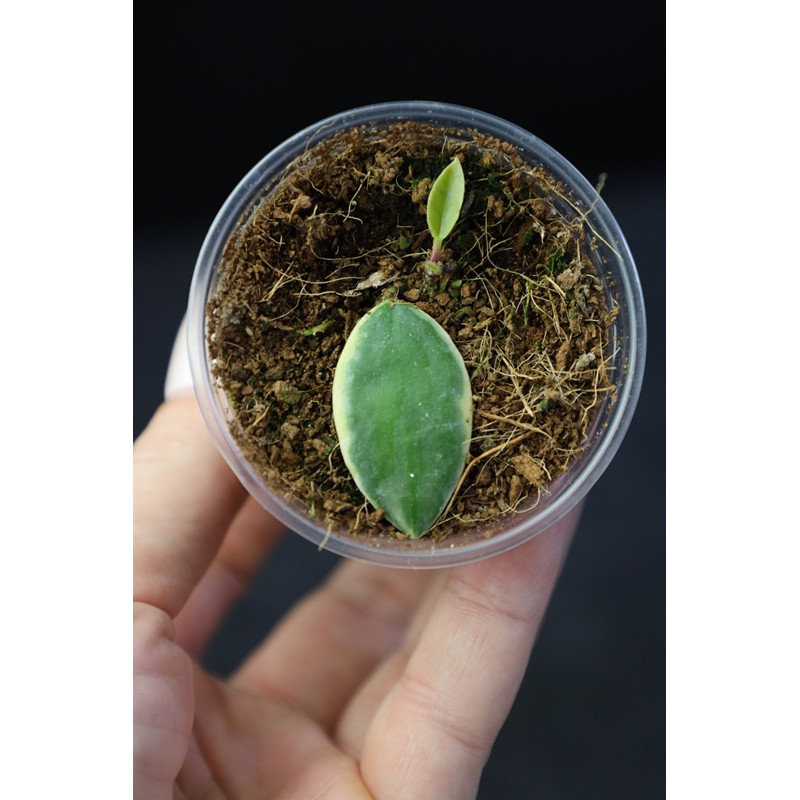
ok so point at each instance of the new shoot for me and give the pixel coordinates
(444, 205)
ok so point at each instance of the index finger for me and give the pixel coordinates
(185, 497)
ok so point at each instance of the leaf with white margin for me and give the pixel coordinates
(402, 407)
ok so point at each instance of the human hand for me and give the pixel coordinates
(383, 683)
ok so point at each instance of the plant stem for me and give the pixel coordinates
(433, 264)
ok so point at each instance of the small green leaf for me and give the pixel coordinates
(402, 406)
(445, 200)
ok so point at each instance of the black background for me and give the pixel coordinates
(217, 87)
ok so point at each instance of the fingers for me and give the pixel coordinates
(251, 537)
(326, 647)
(434, 729)
(185, 497)
(162, 704)
(178, 380)
(357, 716)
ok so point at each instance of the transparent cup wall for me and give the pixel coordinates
(615, 268)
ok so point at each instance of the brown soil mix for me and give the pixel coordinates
(519, 296)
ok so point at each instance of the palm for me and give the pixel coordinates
(380, 684)
(247, 745)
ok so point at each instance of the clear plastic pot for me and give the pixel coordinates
(616, 270)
